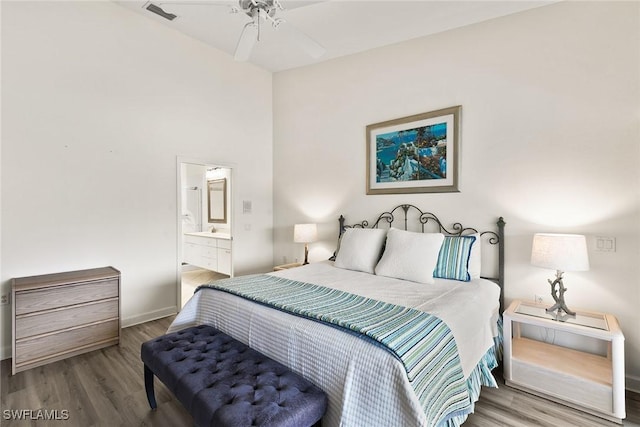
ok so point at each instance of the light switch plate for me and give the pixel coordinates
(605, 244)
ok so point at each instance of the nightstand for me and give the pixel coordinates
(287, 266)
(575, 378)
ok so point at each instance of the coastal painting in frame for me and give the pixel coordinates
(415, 154)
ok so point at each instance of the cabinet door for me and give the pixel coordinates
(224, 261)
(191, 253)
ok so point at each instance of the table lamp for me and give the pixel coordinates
(560, 252)
(305, 233)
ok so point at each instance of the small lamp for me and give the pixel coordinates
(560, 252)
(305, 233)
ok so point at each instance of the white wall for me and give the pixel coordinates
(98, 102)
(549, 140)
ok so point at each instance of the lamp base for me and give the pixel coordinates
(306, 254)
(557, 292)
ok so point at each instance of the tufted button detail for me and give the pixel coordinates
(203, 358)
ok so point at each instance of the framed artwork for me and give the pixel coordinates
(415, 154)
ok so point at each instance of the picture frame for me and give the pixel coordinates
(414, 154)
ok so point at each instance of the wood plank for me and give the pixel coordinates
(113, 377)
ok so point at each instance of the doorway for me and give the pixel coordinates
(204, 224)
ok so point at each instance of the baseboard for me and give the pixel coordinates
(148, 316)
(633, 383)
(5, 352)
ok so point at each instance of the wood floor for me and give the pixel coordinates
(191, 279)
(106, 388)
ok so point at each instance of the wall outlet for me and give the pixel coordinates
(539, 299)
(4, 299)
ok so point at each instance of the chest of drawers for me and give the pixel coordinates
(60, 315)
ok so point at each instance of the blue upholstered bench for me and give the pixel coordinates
(222, 382)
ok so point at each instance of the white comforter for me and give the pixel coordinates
(366, 385)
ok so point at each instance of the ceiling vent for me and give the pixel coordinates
(158, 11)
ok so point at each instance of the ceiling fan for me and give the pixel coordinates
(261, 12)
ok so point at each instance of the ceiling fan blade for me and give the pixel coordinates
(226, 3)
(309, 45)
(294, 4)
(248, 39)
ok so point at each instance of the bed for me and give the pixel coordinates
(377, 371)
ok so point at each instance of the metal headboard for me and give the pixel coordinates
(457, 229)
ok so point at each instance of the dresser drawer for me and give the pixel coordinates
(62, 296)
(34, 350)
(54, 320)
(60, 315)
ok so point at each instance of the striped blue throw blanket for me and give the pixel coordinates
(421, 341)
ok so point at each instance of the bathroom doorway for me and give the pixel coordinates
(205, 229)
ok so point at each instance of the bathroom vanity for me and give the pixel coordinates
(211, 251)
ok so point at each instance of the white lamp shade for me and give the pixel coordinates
(305, 233)
(563, 252)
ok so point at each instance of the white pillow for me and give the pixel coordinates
(360, 249)
(410, 256)
(475, 259)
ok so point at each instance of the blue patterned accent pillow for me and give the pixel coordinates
(453, 259)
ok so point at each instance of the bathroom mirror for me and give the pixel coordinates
(217, 190)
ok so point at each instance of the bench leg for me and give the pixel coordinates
(148, 386)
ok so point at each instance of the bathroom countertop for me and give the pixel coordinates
(216, 235)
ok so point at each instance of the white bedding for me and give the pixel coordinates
(366, 385)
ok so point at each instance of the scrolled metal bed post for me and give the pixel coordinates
(340, 231)
(458, 230)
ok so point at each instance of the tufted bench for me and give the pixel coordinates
(222, 382)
